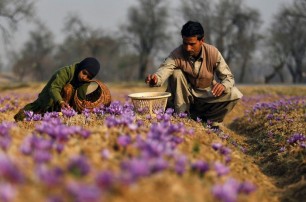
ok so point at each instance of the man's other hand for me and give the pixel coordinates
(218, 89)
(151, 79)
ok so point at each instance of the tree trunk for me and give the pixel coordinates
(143, 63)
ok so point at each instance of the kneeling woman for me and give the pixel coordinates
(59, 91)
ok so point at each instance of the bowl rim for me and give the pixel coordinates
(149, 95)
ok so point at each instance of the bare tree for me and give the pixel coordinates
(147, 30)
(35, 58)
(11, 13)
(289, 35)
(82, 41)
(229, 25)
(201, 11)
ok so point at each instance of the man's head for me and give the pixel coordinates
(88, 69)
(193, 38)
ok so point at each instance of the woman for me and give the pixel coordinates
(59, 91)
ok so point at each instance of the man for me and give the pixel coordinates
(59, 91)
(199, 80)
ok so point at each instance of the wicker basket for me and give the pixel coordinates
(97, 97)
(149, 102)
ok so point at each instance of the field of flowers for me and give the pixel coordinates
(113, 154)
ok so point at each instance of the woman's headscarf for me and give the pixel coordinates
(91, 64)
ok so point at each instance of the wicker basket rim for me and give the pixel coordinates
(149, 95)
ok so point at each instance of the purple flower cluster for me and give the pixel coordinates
(37, 147)
(51, 177)
(297, 138)
(78, 166)
(40, 147)
(225, 151)
(7, 192)
(5, 137)
(229, 191)
(68, 112)
(81, 192)
(9, 104)
(9, 171)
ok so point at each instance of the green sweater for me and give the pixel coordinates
(50, 96)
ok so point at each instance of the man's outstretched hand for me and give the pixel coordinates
(218, 89)
(151, 79)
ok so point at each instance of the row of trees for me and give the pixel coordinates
(151, 32)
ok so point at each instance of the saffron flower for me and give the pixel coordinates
(200, 166)
(50, 176)
(78, 166)
(7, 192)
(105, 179)
(9, 171)
(221, 169)
(124, 140)
(83, 192)
(68, 112)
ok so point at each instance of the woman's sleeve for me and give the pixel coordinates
(58, 81)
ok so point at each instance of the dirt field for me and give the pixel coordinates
(116, 156)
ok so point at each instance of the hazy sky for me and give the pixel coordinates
(109, 14)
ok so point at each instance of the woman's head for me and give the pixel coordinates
(88, 69)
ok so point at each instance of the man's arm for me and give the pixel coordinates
(164, 71)
(224, 74)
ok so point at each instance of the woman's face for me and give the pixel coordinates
(84, 76)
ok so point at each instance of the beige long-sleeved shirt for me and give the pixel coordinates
(222, 74)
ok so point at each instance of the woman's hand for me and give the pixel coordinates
(64, 105)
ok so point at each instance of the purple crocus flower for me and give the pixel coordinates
(54, 199)
(5, 137)
(105, 153)
(42, 156)
(105, 180)
(216, 146)
(182, 115)
(124, 140)
(36, 117)
(247, 187)
(86, 113)
(84, 192)
(50, 176)
(169, 111)
(158, 164)
(296, 137)
(200, 166)
(69, 112)
(7, 192)
(78, 166)
(221, 169)
(180, 164)
(228, 192)
(9, 171)
(136, 168)
(29, 115)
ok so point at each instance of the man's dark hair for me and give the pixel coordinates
(192, 28)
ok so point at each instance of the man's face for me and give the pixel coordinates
(192, 45)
